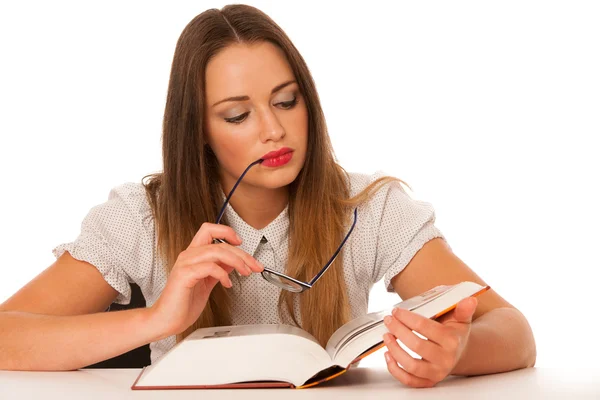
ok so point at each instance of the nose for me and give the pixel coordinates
(270, 127)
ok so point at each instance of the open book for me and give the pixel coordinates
(245, 356)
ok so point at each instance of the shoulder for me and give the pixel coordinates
(358, 181)
(130, 196)
(391, 195)
(126, 208)
(117, 237)
(395, 224)
(124, 222)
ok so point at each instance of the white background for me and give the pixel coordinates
(489, 110)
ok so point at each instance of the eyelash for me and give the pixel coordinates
(236, 120)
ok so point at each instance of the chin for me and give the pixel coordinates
(279, 178)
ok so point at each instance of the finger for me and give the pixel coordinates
(463, 312)
(465, 309)
(432, 330)
(403, 376)
(201, 271)
(428, 350)
(250, 261)
(226, 267)
(216, 254)
(414, 366)
(209, 231)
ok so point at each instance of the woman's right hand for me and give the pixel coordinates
(196, 272)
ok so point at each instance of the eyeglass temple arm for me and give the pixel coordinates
(260, 160)
(316, 278)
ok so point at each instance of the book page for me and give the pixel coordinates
(353, 328)
(430, 304)
(359, 325)
(236, 354)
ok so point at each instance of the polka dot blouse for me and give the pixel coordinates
(118, 237)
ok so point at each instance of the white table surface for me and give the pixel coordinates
(358, 383)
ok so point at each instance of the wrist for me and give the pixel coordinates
(462, 366)
(150, 323)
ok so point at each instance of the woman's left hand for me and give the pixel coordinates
(447, 336)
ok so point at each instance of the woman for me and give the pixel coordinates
(243, 118)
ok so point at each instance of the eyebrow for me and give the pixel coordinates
(243, 98)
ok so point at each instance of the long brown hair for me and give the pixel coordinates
(187, 192)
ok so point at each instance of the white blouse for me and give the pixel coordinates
(118, 237)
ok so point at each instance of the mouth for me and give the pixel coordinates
(277, 158)
(277, 153)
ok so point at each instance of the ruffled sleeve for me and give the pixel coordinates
(116, 240)
(402, 226)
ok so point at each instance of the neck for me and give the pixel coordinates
(257, 206)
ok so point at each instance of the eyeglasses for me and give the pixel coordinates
(277, 278)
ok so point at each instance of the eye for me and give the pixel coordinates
(286, 105)
(289, 104)
(239, 119)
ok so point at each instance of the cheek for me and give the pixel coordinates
(304, 124)
(232, 153)
(232, 149)
(227, 140)
(297, 122)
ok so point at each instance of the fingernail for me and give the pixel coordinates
(238, 237)
(387, 357)
(387, 319)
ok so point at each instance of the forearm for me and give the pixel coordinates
(53, 343)
(500, 340)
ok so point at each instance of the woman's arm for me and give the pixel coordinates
(56, 321)
(497, 336)
(36, 342)
(500, 340)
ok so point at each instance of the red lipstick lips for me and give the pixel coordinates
(278, 158)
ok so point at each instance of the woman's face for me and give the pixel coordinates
(253, 107)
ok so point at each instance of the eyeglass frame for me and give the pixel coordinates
(303, 285)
